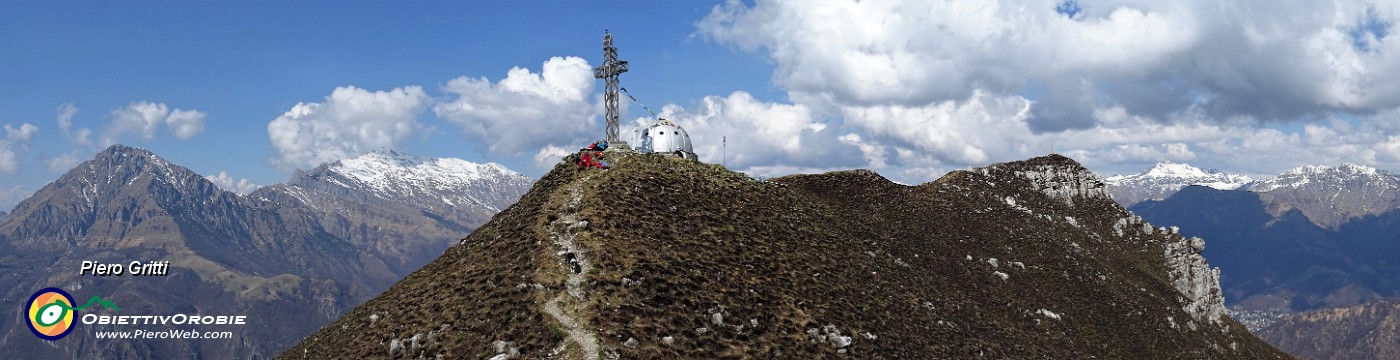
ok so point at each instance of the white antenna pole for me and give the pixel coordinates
(724, 151)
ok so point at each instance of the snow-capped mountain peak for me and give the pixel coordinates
(1345, 168)
(1166, 178)
(422, 182)
(1174, 170)
(1332, 195)
(385, 170)
(1167, 171)
(1344, 175)
(1328, 196)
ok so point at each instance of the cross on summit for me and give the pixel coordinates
(609, 71)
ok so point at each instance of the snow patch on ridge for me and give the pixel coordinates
(1303, 175)
(381, 170)
(1169, 174)
(447, 181)
(1167, 178)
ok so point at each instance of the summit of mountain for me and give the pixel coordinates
(290, 251)
(122, 192)
(659, 257)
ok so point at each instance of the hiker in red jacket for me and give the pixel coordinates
(591, 158)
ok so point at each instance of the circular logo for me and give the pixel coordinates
(50, 313)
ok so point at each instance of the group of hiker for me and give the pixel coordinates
(592, 156)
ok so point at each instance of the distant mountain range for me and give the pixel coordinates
(1328, 195)
(1266, 261)
(380, 198)
(1312, 237)
(1331, 196)
(291, 257)
(1361, 332)
(1167, 178)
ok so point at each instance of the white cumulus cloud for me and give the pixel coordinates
(762, 137)
(15, 142)
(347, 123)
(144, 118)
(921, 52)
(526, 111)
(64, 162)
(13, 195)
(79, 136)
(550, 155)
(1261, 59)
(920, 86)
(185, 124)
(962, 132)
(227, 182)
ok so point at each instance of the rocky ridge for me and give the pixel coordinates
(429, 183)
(1187, 269)
(1331, 196)
(664, 258)
(379, 198)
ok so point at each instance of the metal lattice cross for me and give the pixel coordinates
(609, 71)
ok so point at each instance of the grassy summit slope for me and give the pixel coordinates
(677, 259)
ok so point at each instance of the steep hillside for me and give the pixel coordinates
(290, 264)
(1370, 331)
(664, 258)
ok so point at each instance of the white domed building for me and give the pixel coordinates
(664, 137)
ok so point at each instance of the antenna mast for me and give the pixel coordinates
(609, 71)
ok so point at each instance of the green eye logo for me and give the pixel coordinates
(49, 317)
(52, 313)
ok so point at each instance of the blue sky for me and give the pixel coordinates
(244, 64)
(910, 89)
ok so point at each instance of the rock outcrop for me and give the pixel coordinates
(1198, 283)
(1065, 184)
